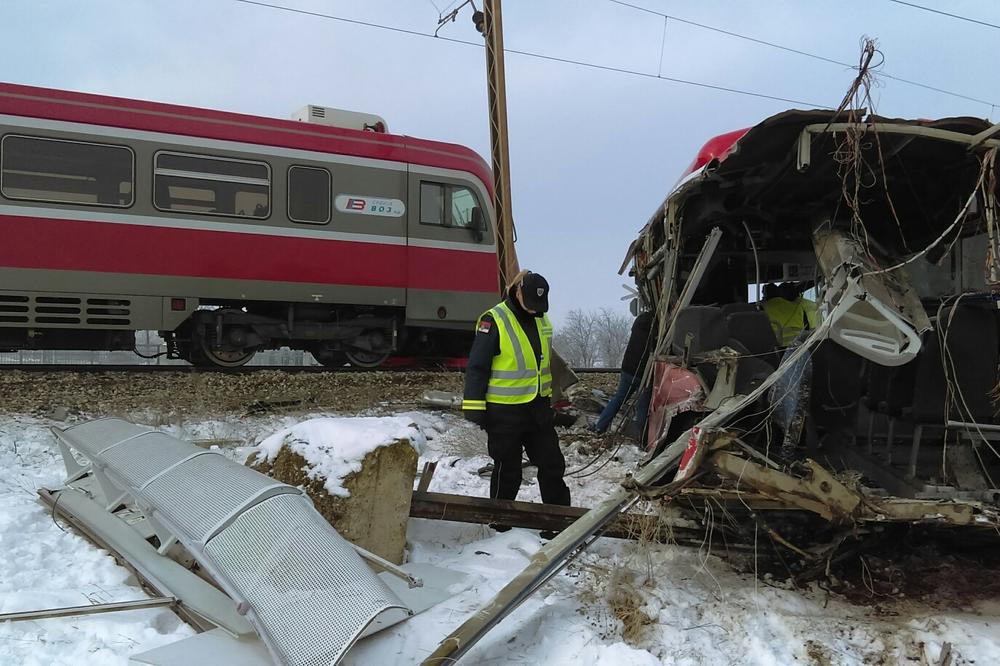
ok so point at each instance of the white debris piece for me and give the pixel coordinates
(334, 447)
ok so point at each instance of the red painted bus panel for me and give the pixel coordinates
(715, 148)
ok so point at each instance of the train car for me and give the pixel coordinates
(231, 233)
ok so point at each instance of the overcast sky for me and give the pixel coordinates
(593, 152)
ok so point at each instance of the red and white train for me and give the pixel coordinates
(232, 233)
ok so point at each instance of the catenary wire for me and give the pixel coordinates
(948, 14)
(795, 51)
(542, 56)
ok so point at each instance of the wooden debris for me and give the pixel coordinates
(426, 475)
(484, 511)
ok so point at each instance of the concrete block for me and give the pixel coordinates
(375, 514)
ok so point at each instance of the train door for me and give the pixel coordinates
(452, 271)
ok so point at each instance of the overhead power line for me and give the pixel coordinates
(949, 14)
(806, 54)
(542, 56)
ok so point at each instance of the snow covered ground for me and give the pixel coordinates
(620, 603)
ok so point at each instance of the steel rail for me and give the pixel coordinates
(190, 369)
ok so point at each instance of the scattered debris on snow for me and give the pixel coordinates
(691, 607)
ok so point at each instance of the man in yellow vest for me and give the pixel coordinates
(789, 313)
(508, 389)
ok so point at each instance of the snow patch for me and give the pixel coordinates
(334, 447)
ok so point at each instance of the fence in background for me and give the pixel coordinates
(151, 346)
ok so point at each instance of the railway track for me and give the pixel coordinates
(148, 368)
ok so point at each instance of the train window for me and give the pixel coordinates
(309, 195)
(432, 203)
(61, 171)
(446, 205)
(211, 185)
(462, 203)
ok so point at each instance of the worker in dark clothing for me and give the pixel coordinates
(508, 389)
(633, 365)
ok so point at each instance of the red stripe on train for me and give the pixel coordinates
(74, 245)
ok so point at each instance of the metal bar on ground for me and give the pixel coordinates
(91, 609)
(387, 566)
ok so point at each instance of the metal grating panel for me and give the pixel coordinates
(201, 492)
(145, 456)
(95, 436)
(13, 308)
(109, 311)
(310, 593)
(66, 309)
(310, 590)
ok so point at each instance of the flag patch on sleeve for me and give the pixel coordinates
(485, 326)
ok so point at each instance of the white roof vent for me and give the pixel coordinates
(325, 115)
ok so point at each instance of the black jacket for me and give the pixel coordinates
(485, 346)
(637, 351)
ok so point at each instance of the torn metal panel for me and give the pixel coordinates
(787, 489)
(977, 141)
(816, 490)
(213, 647)
(201, 603)
(839, 254)
(884, 317)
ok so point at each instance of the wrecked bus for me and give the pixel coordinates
(889, 227)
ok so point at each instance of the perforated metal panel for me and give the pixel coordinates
(310, 593)
(140, 459)
(310, 590)
(202, 491)
(93, 437)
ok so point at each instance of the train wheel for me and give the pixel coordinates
(220, 357)
(364, 358)
(330, 359)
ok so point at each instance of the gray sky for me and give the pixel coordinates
(593, 152)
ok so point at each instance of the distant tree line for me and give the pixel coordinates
(593, 338)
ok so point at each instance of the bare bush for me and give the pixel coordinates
(613, 329)
(593, 338)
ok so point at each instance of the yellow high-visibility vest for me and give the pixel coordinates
(515, 376)
(789, 318)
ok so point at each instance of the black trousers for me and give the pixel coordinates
(511, 429)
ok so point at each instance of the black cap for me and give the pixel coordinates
(535, 292)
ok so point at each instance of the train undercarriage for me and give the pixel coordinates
(229, 335)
